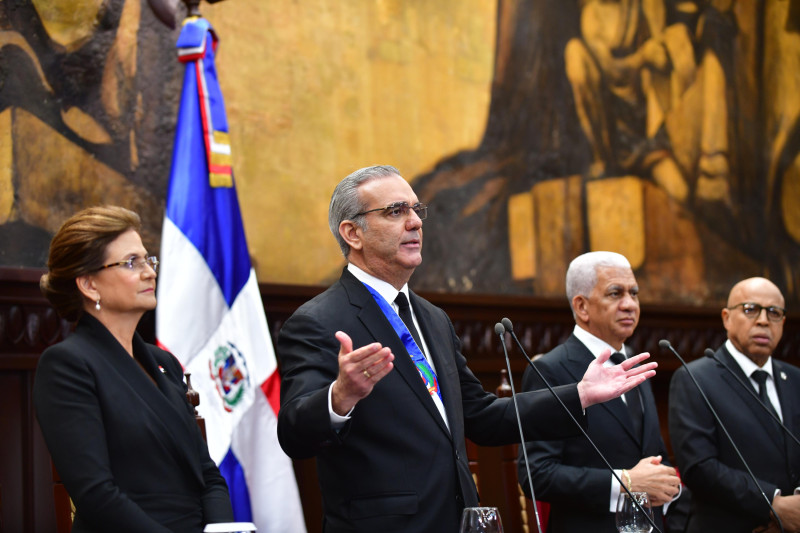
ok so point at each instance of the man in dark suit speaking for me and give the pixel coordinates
(724, 496)
(378, 390)
(568, 473)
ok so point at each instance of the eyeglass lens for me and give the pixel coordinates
(753, 310)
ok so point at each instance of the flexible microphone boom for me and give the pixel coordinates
(665, 344)
(501, 330)
(710, 353)
(506, 323)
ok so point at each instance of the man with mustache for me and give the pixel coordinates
(568, 473)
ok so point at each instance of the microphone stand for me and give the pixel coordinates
(506, 323)
(710, 353)
(500, 330)
(665, 344)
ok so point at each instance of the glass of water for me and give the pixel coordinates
(480, 520)
(632, 518)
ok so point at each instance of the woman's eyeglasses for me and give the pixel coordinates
(135, 264)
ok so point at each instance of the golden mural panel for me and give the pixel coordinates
(69, 22)
(6, 167)
(82, 180)
(615, 216)
(315, 90)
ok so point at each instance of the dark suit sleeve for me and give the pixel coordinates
(71, 420)
(309, 364)
(555, 481)
(215, 497)
(696, 439)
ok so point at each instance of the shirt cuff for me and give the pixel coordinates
(337, 421)
(615, 490)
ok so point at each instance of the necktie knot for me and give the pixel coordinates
(617, 358)
(402, 302)
(760, 377)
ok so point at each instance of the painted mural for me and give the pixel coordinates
(667, 130)
(88, 92)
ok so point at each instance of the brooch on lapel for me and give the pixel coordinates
(783, 376)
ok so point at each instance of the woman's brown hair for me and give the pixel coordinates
(79, 248)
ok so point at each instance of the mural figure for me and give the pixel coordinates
(81, 123)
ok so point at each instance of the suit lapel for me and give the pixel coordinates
(767, 423)
(781, 384)
(159, 401)
(381, 330)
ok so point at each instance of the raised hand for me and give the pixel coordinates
(359, 371)
(602, 383)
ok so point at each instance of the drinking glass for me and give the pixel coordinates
(480, 520)
(630, 518)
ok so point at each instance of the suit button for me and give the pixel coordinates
(458, 457)
(459, 500)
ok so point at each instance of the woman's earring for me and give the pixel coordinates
(97, 304)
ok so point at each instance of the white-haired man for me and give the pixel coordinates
(568, 474)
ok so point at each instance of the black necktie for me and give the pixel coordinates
(632, 399)
(408, 320)
(760, 377)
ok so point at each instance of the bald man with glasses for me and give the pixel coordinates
(724, 497)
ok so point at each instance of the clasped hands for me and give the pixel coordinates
(788, 509)
(660, 482)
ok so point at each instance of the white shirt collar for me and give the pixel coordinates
(745, 363)
(595, 344)
(386, 290)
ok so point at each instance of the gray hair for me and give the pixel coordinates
(346, 202)
(582, 272)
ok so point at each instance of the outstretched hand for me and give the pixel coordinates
(359, 371)
(602, 383)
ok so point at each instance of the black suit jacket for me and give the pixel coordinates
(394, 466)
(724, 497)
(128, 451)
(568, 473)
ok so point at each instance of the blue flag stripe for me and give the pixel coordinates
(233, 473)
(209, 217)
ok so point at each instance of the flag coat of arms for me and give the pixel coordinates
(210, 313)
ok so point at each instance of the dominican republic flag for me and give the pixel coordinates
(210, 313)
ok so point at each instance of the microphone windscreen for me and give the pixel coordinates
(664, 343)
(508, 325)
(709, 353)
(499, 328)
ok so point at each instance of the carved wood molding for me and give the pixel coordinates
(28, 324)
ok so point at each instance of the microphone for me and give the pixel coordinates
(665, 344)
(506, 323)
(710, 353)
(500, 330)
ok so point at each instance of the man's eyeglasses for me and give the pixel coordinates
(753, 310)
(399, 209)
(136, 264)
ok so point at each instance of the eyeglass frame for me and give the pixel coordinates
(404, 206)
(135, 264)
(759, 308)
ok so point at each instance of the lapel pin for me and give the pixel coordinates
(164, 371)
(783, 376)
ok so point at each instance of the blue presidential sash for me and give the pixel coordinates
(425, 371)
